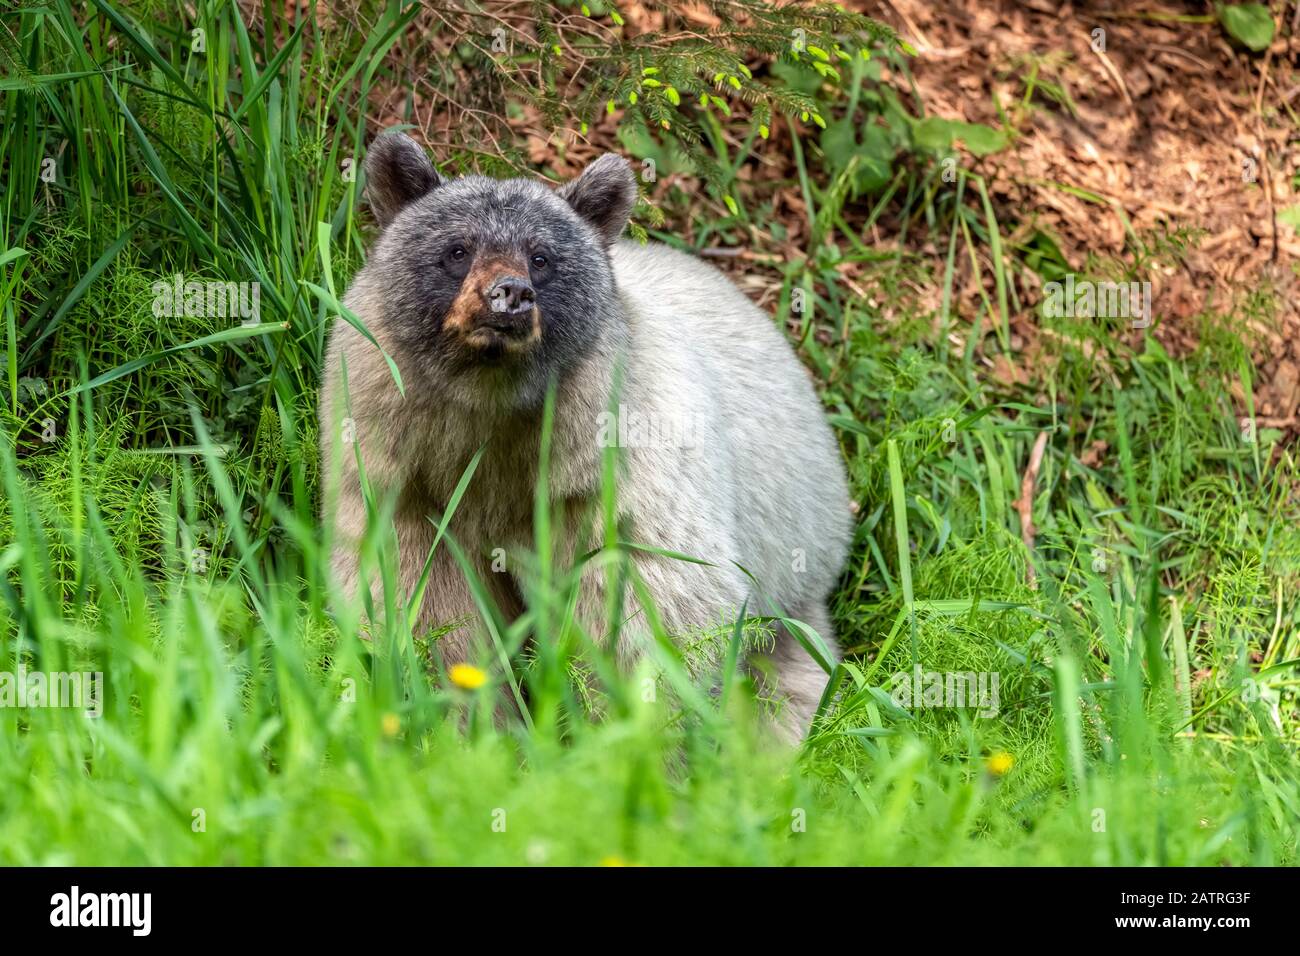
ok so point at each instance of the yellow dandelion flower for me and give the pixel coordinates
(613, 861)
(1000, 762)
(467, 676)
(391, 724)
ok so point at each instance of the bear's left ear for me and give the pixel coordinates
(603, 195)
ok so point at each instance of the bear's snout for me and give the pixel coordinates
(496, 308)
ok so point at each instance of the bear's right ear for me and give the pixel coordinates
(397, 172)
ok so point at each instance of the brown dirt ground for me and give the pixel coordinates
(1171, 126)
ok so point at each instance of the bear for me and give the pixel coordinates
(488, 295)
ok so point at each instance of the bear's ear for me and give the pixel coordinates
(603, 195)
(397, 172)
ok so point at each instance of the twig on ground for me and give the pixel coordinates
(1025, 504)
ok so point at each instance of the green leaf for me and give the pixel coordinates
(1250, 24)
(980, 140)
(811, 641)
(668, 156)
(839, 142)
(937, 133)
(933, 132)
(795, 78)
(876, 160)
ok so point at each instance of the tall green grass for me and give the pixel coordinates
(164, 531)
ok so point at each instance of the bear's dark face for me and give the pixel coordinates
(494, 286)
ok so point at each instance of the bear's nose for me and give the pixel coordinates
(511, 295)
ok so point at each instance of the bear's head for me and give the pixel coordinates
(494, 287)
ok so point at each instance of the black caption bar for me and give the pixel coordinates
(336, 906)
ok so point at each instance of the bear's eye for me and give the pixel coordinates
(457, 253)
(539, 261)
